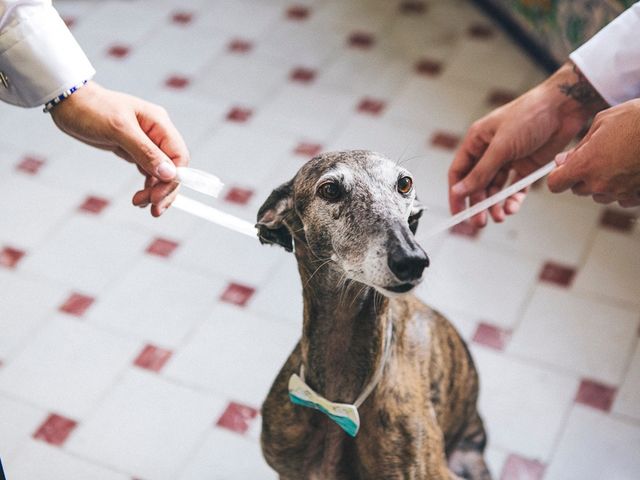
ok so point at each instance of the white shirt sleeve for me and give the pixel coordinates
(39, 57)
(611, 59)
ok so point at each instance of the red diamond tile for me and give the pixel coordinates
(152, 358)
(69, 21)
(9, 257)
(308, 149)
(480, 31)
(465, 229)
(162, 247)
(177, 82)
(446, 140)
(237, 294)
(77, 304)
(298, 12)
(239, 45)
(499, 97)
(617, 220)
(237, 417)
(239, 195)
(361, 40)
(491, 336)
(55, 429)
(182, 17)
(559, 274)
(413, 7)
(239, 114)
(521, 468)
(426, 66)
(94, 204)
(118, 51)
(595, 395)
(30, 164)
(371, 106)
(303, 75)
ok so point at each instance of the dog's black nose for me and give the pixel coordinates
(406, 264)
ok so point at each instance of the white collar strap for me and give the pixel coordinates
(344, 414)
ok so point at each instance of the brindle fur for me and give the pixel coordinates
(421, 420)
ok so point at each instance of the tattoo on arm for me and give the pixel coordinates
(581, 90)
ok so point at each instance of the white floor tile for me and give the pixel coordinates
(81, 169)
(312, 113)
(628, 398)
(430, 169)
(595, 446)
(86, 253)
(495, 458)
(524, 406)
(244, 78)
(612, 268)
(30, 210)
(174, 224)
(490, 283)
(227, 456)
(428, 103)
(576, 333)
(40, 460)
(63, 355)
(242, 153)
(366, 133)
(24, 305)
(18, 421)
(215, 250)
(281, 296)
(548, 229)
(236, 353)
(169, 302)
(163, 423)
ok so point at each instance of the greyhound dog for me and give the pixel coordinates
(351, 217)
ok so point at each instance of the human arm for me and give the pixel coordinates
(135, 130)
(517, 138)
(38, 55)
(608, 64)
(606, 162)
(40, 60)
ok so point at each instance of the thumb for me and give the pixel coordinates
(564, 176)
(146, 154)
(484, 171)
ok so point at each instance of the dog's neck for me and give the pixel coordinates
(343, 331)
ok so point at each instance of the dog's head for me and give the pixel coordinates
(357, 209)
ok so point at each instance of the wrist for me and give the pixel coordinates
(77, 98)
(572, 93)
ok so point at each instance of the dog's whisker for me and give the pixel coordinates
(316, 271)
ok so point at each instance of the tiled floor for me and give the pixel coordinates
(134, 348)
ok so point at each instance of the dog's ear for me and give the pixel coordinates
(271, 217)
(414, 217)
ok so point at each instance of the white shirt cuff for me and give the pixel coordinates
(611, 59)
(40, 57)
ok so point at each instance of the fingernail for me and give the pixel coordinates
(166, 171)
(459, 189)
(561, 158)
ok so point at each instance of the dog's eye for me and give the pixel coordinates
(405, 184)
(329, 191)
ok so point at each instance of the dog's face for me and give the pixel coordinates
(355, 209)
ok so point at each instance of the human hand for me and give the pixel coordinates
(135, 130)
(518, 138)
(606, 163)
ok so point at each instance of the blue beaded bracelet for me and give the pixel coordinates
(66, 94)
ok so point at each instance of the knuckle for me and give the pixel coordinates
(161, 111)
(118, 123)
